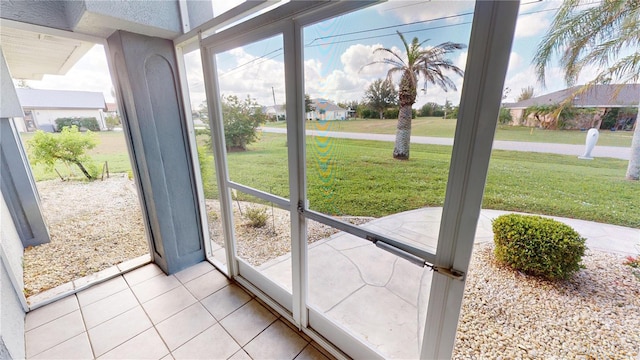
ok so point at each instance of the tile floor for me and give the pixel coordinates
(144, 314)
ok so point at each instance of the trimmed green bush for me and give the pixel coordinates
(538, 246)
(83, 123)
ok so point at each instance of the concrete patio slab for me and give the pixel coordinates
(381, 298)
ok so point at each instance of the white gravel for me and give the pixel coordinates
(510, 315)
(93, 225)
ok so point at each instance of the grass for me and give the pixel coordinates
(438, 127)
(359, 178)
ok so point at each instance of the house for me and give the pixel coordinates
(324, 109)
(42, 107)
(274, 112)
(600, 99)
(146, 43)
(111, 109)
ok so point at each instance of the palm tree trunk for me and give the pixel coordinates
(633, 171)
(403, 133)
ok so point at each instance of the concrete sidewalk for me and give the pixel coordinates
(615, 152)
(346, 272)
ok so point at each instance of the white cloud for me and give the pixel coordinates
(515, 60)
(461, 60)
(423, 10)
(357, 60)
(91, 73)
(532, 25)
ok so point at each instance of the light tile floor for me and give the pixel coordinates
(144, 314)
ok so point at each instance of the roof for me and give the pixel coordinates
(597, 96)
(326, 105)
(60, 99)
(112, 107)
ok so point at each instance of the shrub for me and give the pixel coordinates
(538, 246)
(257, 217)
(504, 116)
(391, 113)
(70, 147)
(368, 114)
(87, 123)
(112, 121)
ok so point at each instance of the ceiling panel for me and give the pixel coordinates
(30, 54)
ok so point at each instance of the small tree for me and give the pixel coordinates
(70, 147)
(241, 120)
(380, 95)
(308, 104)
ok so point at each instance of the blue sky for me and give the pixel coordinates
(336, 51)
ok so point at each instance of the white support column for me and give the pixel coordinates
(489, 49)
(151, 106)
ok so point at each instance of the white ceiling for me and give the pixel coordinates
(31, 54)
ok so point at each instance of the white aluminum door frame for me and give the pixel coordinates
(236, 266)
(492, 33)
(489, 50)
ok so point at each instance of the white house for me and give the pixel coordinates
(276, 112)
(326, 110)
(42, 107)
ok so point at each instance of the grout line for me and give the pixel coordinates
(86, 328)
(76, 290)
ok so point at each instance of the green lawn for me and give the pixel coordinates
(438, 127)
(359, 178)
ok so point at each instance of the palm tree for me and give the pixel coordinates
(605, 35)
(428, 63)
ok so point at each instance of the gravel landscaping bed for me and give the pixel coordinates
(257, 245)
(505, 314)
(510, 315)
(93, 226)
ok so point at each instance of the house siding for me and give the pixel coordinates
(49, 116)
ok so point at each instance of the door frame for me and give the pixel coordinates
(492, 33)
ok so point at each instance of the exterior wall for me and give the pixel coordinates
(327, 115)
(48, 116)
(45, 13)
(516, 116)
(11, 311)
(102, 18)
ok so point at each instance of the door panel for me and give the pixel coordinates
(358, 267)
(355, 286)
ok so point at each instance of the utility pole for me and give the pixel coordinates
(445, 107)
(275, 106)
